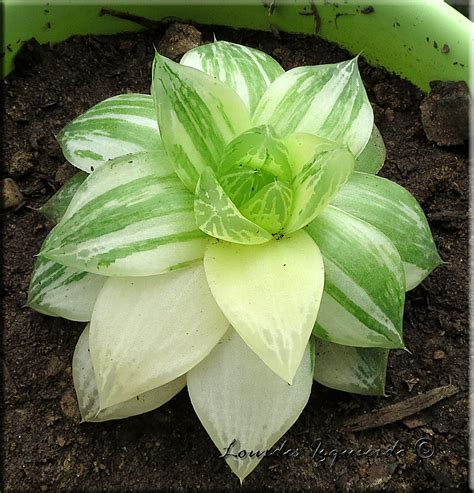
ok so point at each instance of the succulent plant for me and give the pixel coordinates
(229, 232)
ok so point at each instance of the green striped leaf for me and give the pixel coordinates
(364, 291)
(248, 71)
(197, 115)
(60, 291)
(270, 294)
(260, 149)
(270, 207)
(395, 212)
(372, 158)
(88, 396)
(320, 167)
(218, 216)
(242, 404)
(117, 126)
(132, 217)
(148, 331)
(56, 206)
(350, 369)
(327, 100)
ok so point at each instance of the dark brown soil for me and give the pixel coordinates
(45, 447)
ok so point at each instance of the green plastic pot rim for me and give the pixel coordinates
(420, 40)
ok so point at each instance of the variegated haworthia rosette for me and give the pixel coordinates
(228, 232)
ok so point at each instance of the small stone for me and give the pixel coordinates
(439, 354)
(20, 164)
(61, 441)
(55, 366)
(178, 39)
(69, 405)
(389, 114)
(64, 172)
(445, 113)
(11, 195)
(413, 422)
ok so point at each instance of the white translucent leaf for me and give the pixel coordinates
(242, 404)
(60, 291)
(148, 331)
(372, 158)
(197, 114)
(270, 293)
(88, 397)
(117, 126)
(247, 70)
(326, 100)
(320, 168)
(394, 211)
(132, 217)
(364, 291)
(351, 369)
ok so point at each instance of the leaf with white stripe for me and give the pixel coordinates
(320, 168)
(60, 291)
(88, 396)
(197, 114)
(131, 217)
(219, 217)
(270, 294)
(247, 70)
(372, 158)
(394, 211)
(350, 369)
(243, 404)
(117, 126)
(327, 100)
(56, 206)
(148, 331)
(364, 291)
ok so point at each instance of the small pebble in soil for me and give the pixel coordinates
(178, 39)
(439, 354)
(11, 195)
(20, 164)
(445, 113)
(69, 405)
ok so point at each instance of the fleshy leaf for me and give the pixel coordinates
(88, 397)
(372, 158)
(327, 100)
(248, 71)
(132, 217)
(148, 331)
(258, 148)
(350, 369)
(56, 206)
(364, 291)
(320, 167)
(197, 114)
(218, 216)
(242, 404)
(270, 207)
(394, 211)
(60, 291)
(119, 125)
(270, 294)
